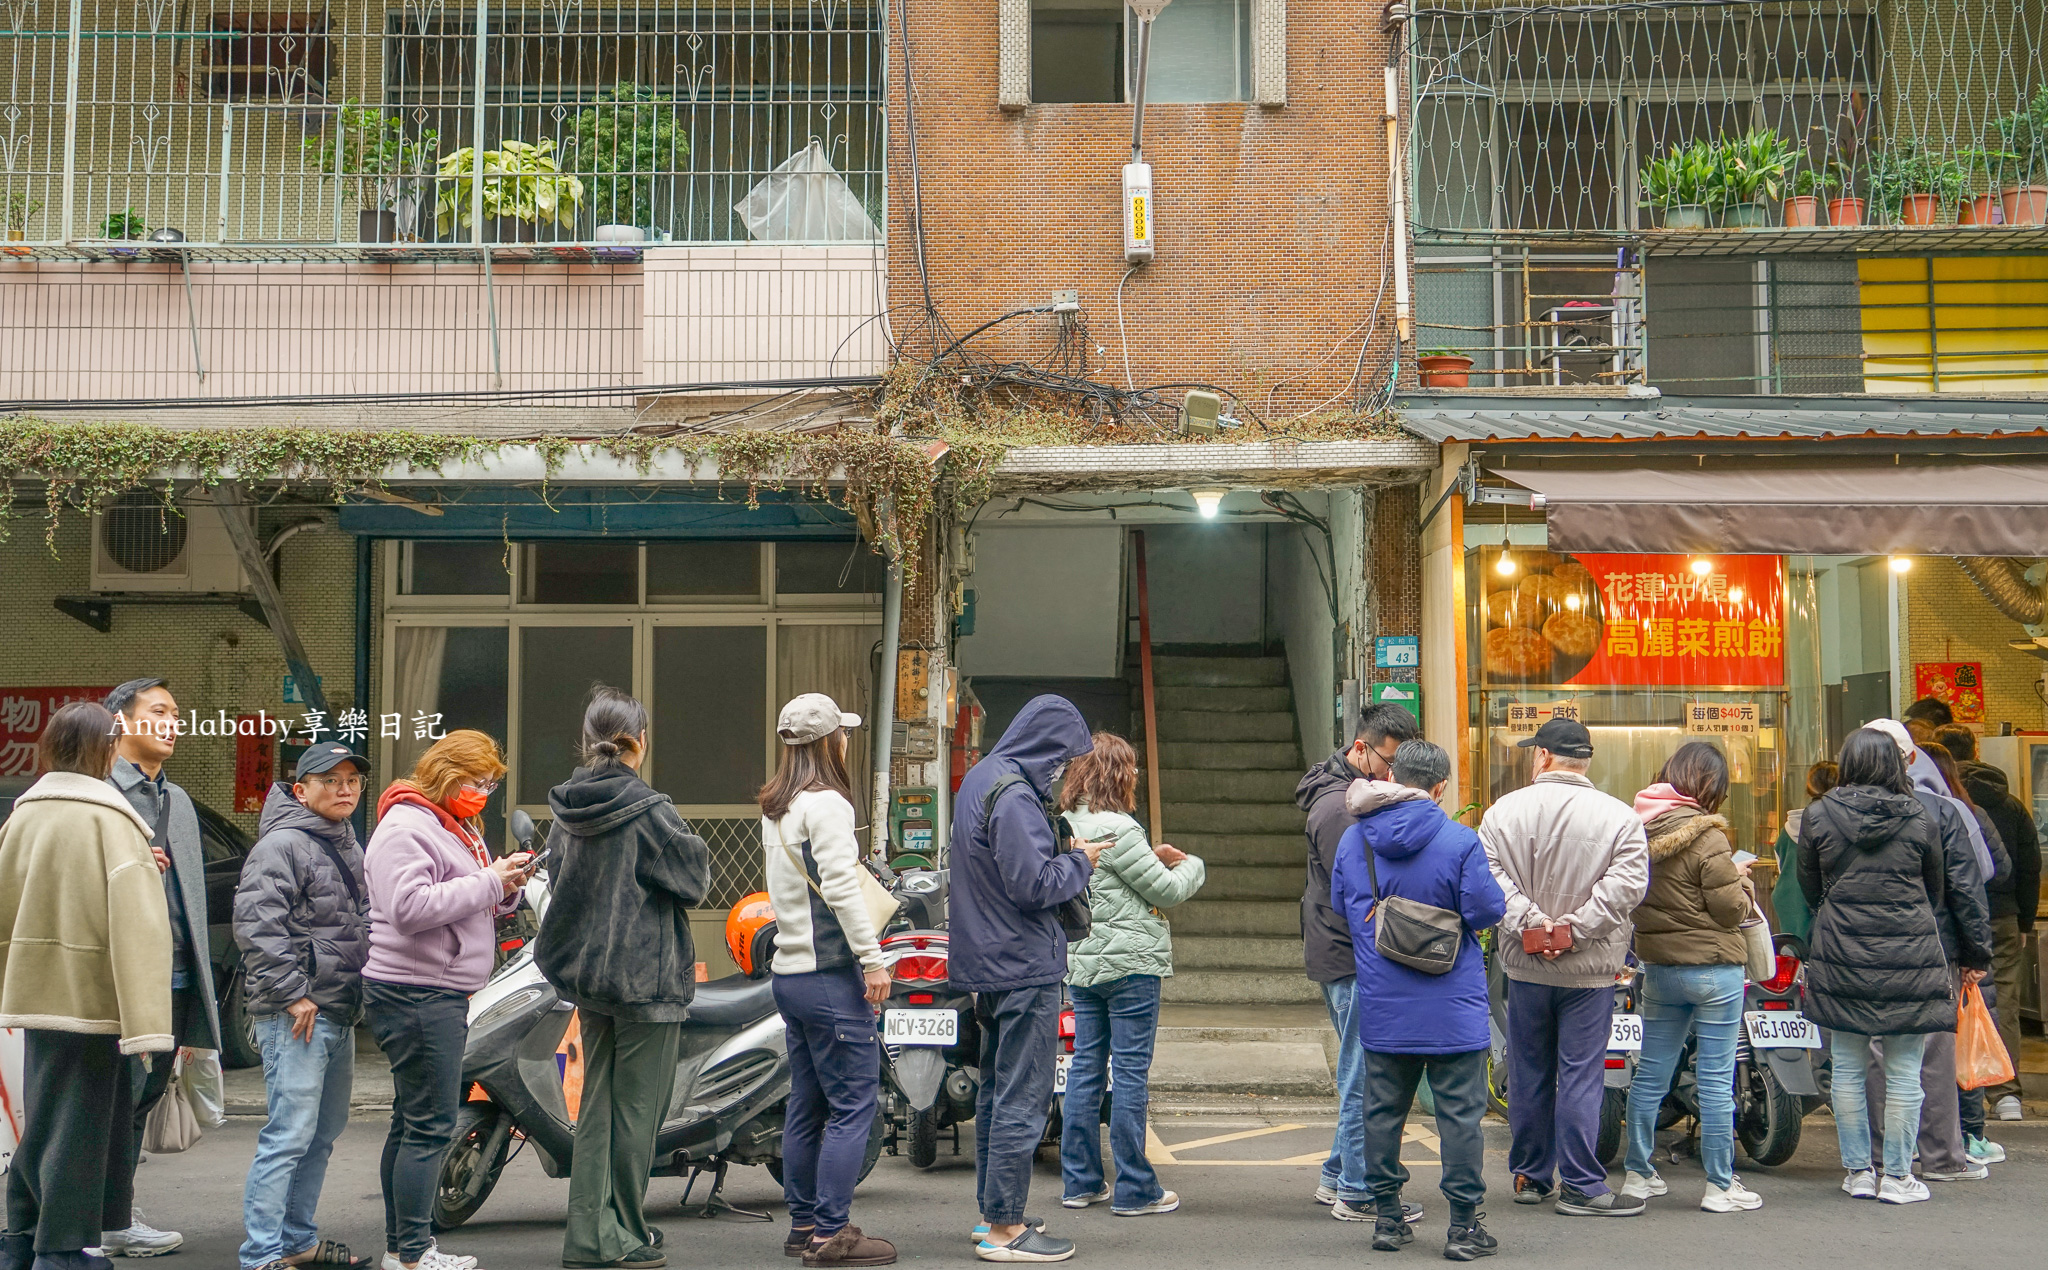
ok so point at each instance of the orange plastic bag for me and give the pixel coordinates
(1981, 1059)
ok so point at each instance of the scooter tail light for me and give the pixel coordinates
(920, 968)
(1787, 974)
(920, 998)
(1616, 1064)
(1067, 1027)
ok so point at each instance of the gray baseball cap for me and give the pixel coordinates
(812, 717)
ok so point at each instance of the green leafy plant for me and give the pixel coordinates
(1909, 167)
(1688, 176)
(1753, 166)
(2023, 144)
(1448, 352)
(1815, 183)
(629, 140)
(123, 224)
(372, 154)
(520, 180)
(18, 209)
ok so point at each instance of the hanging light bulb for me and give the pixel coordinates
(1702, 566)
(1505, 566)
(1207, 501)
(1900, 564)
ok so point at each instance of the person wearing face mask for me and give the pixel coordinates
(435, 892)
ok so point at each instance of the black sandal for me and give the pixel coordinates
(331, 1252)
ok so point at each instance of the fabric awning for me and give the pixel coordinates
(1970, 510)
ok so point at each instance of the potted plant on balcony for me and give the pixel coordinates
(630, 142)
(1445, 368)
(1753, 168)
(2023, 136)
(1983, 209)
(1809, 187)
(123, 226)
(377, 164)
(1910, 184)
(1684, 184)
(523, 188)
(17, 211)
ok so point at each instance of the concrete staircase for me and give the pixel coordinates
(1229, 760)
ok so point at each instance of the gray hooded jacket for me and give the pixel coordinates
(302, 911)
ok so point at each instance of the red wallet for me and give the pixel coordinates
(1536, 940)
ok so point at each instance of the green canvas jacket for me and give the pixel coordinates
(1130, 936)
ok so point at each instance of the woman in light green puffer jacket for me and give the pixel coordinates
(1113, 978)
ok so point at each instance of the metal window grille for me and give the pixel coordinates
(737, 869)
(302, 123)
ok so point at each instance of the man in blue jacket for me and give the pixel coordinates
(1009, 879)
(1420, 1023)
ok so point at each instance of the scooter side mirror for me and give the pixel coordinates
(521, 826)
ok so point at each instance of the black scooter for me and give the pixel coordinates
(931, 1044)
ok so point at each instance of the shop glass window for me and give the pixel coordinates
(827, 568)
(710, 714)
(582, 573)
(558, 666)
(454, 568)
(694, 572)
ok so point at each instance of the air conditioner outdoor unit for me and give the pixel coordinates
(138, 544)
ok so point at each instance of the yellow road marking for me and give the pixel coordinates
(1239, 1136)
(1158, 1152)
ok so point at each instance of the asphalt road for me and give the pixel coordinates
(1245, 1185)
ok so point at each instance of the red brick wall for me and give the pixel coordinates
(1272, 221)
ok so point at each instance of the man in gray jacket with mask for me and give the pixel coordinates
(302, 920)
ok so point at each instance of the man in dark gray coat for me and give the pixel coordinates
(148, 724)
(302, 920)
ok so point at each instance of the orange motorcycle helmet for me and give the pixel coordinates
(750, 934)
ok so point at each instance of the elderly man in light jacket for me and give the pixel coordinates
(1567, 857)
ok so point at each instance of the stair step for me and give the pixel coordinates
(1222, 987)
(1206, 817)
(1206, 700)
(1224, 952)
(1224, 725)
(1229, 755)
(1189, 785)
(1238, 848)
(1231, 883)
(1265, 918)
(1225, 672)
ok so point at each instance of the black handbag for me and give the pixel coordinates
(1417, 935)
(1076, 918)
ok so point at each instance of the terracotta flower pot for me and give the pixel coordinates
(1802, 210)
(1920, 210)
(1845, 212)
(2024, 204)
(1446, 371)
(1981, 210)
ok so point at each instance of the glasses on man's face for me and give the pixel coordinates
(340, 784)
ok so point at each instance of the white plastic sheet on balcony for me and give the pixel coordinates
(805, 200)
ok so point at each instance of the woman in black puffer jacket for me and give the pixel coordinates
(1875, 971)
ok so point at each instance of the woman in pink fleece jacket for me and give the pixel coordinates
(434, 894)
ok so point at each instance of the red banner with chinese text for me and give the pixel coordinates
(1632, 619)
(24, 713)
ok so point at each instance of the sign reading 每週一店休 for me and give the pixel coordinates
(1525, 717)
(24, 713)
(1721, 719)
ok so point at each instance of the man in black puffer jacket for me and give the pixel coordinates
(302, 921)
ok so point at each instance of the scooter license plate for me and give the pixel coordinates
(1626, 1032)
(1781, 1030)
(1059, 1073)
(920, 1027)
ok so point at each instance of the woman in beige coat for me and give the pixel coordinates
(85, 970)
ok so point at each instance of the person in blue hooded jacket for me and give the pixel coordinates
(1010, 876)
(1411, 1023)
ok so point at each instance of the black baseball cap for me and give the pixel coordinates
(326, 756)
(1566, 738)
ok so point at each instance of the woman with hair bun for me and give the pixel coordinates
(616, 944)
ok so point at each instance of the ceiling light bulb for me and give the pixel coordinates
(1703, 567)
(1207, 501)
(1505, 566)
(1901, 564)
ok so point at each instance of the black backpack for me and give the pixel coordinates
(1076, 918)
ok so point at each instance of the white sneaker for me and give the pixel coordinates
(140, 1239)
(1326, 1195)
(432, 1259)
(2009, 1108)
(1861, 1184)
(1083, 1201)
(1166, 1203)
(1639, 1186)
(1735, 1198)
(1902, 1190)
(1973, 1173)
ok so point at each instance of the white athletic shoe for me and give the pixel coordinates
(1861, 1184)
(1083, 1201)
(1737, 1198)
(1325, 1195)
(1641, 1186)
(2009, 1108)
(140, 1239)
(1902, 1190)
(432, 1259)
(1166, 1203)
(1973, 1173)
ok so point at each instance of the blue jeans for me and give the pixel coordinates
(307, 1084)
(1557, 1079)
(1020, 1029)
(1707, 1001)
(1114, 1024)
(1344, 1171)
(1902, 1097)
(835, 1078)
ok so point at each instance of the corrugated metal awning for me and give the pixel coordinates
(1815, 420)
(1966, 510)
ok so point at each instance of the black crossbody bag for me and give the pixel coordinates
(1076, 918)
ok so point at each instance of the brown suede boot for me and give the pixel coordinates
(848, 1247)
